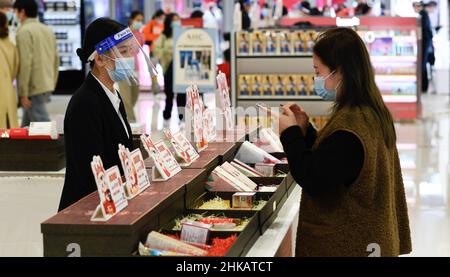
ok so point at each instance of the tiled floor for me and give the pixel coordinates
(424, 148)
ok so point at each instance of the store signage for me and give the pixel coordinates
(165, 165)
(185, 153)
(135, 174)
(195, 58)
(347, 22)
(110, 190)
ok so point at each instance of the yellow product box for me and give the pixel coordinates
(310, 87)
(267, 86)
(277, 81)
(244, 85)
(256, 85)
(258, 43)
(298, 39)
(271, 43)
(243, 43)
(285, 42)
(290, 85)
(302, 85)
(311, 40)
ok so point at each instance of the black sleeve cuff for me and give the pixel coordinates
(291, 134)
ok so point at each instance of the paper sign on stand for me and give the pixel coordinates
(110, 190)
(186, 145)
(135, 173)
(184, 154)
(165, 164)
(139, 165)
(168, 158)
(225, 100)
(195, 107)
(196, 233)
(209, 125)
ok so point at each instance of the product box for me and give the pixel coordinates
(243, 200)
(271, 43)
(310, 85)
(258, 43)
(303, 86)
(244, 85)
(299, 42)
(285, 42)
(277, 81)
(311, 40)
(243, 43)
(290, 83)
(267, 87)
(256, 85)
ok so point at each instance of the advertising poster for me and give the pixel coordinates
(194, 59)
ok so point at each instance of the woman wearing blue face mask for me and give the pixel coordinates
(96, 121)
(353, 200)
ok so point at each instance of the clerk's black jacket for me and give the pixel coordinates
(91, 127)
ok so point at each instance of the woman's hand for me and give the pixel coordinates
(286, 119)
(301, 117)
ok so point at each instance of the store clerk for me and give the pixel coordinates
(96, 121)
(353, 200)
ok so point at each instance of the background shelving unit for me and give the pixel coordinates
(393, 44)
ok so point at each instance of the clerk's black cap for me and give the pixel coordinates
(96, 32)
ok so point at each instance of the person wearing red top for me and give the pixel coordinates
(154, 28)
(225, 66)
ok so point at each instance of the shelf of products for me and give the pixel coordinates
(276, 43)
(275, 66)
(392, 43)
(278, 86)
(64, 19)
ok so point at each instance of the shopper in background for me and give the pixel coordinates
(96, 121)
(9, 66)
(6, 7)
(245, 9)
(39, 63)
(197, 14)
(130, 92)
(303, 9)
(433, 13)
(225, 66)
(362, 9)
(353, 194)
(154, 28)
(163, 51)
(427, 41)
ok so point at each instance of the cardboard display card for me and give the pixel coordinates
(184, 152)
(110, 190)
(161, 170)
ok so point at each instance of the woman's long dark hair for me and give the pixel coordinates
(168, 30)
(343, 50)
(3, 26)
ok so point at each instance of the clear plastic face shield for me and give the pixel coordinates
(121, 53)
